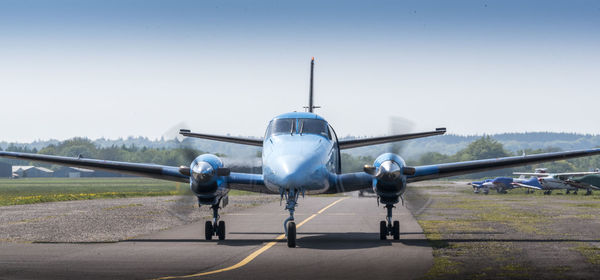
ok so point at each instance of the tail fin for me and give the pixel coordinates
(310, 95)
(311, 105)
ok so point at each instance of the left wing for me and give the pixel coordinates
(240, 181)
(361, 180)
(533, 174)
(556, 174)
(428, 172)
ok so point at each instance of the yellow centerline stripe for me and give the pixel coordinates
(254, 254)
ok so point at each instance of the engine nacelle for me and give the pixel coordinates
(207, 179)
(390, 177)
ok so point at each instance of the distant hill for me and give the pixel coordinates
(445, 144)
(513, 142)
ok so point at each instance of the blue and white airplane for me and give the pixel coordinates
(500, 184)
(301, 154)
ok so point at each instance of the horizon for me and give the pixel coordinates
(340, 137)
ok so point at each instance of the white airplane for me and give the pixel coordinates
(557, 181)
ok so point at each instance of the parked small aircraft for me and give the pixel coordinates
(301, 154)
(562, 181)
(500, 184)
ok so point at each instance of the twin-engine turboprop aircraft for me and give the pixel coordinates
(301, 154)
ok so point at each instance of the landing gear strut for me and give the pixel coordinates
(387, 228)
(289, 225)
(216, 227)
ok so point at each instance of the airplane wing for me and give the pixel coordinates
(435, 171)
(237, 140)
(361, 180)
(526, 186)
(556, 174)
(347, 144)
(241, 181)
(575, 173)
(533, 174)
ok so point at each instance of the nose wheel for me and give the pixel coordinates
(291, 234)
(389, 228)
(216, 227)
(289, 225)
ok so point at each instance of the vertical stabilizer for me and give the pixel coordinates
(310, 95)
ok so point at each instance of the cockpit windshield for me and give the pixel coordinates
(282, 126)
(313, 126)
(298, 126)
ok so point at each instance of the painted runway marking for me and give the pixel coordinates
(254, 254)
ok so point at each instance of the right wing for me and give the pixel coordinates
(236, 181)
(155, 171)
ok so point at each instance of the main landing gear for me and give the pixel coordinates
(386, 229)
(216, 227)
(289, 225)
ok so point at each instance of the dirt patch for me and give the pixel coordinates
(108, 220)
(514, 235)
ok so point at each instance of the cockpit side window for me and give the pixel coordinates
(282, 126)
(314, 126)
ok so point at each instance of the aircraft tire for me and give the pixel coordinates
(221, 230)
(209, 231)
(383, 230)
(291, 235)
(396, 230)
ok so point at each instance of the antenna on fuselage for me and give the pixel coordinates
(311, 107)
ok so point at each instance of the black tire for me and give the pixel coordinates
(291, 237)
(396, 230)
(209, 231)
(221, 230)
(383, 230)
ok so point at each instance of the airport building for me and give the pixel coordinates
(28, 171)
(5, 170)
(73, 172)
(76, 172)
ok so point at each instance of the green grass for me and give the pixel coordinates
(591, 253)
(39, 190)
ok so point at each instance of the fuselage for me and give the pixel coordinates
(552, 183)
(300, 152)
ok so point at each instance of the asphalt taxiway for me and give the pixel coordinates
(338, 238)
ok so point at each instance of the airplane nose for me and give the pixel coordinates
(294, 172)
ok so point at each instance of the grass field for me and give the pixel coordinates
(38, 190)
(514, 235)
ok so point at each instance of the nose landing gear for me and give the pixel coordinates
(216, 227)
(289, 225)
(389, 228)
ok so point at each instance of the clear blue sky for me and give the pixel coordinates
(119, 68)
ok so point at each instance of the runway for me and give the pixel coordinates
(338, 238)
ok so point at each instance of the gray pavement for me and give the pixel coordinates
(340, 243)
